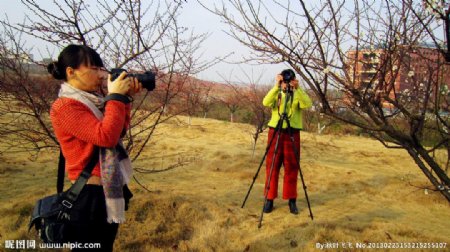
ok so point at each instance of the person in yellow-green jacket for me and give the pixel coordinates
(275, 99)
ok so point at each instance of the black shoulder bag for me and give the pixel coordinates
(52, 213)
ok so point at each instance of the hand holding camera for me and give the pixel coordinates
(123, 84)
(287, 77)
(294, 84)
(146, 79)
(120, 85)
(135, 87)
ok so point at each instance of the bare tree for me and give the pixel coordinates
(252, 95)
(398, 98)
(194, 97)
(24, 99)
(207, 99)
(232, 98)
(137, 35)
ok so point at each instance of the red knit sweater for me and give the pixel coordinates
(78, 130)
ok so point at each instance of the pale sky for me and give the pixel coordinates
(200, 20)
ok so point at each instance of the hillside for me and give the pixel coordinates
(359, 192)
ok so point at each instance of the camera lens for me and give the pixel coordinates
(147, 79)
(288, 75)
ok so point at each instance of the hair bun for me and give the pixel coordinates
(53, 69)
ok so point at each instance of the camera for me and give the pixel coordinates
(288, 75)
(147, 78)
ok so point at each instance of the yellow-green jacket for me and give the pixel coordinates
(299, 102)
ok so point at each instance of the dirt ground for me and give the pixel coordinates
(360, 193)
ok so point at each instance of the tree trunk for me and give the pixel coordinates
(320, 128)
(448, 160)
(255, 140)
(433, 165)
(415, 155)
(232, 117)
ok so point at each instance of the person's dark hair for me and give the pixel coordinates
(288, 75)
(74, 56)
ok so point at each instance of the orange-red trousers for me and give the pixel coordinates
(285, 155)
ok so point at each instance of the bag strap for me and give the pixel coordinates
(61, 167)
(72, 194)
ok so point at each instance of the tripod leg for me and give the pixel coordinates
(278, 132)
(259, 168)
(297, 154)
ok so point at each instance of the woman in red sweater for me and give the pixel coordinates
(83, 118)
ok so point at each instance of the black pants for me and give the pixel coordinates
(88, 223)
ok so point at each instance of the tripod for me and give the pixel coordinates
(283, 118)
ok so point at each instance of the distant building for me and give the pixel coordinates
(411, 69)
(11, 59)
(47, 61)
(22, 57)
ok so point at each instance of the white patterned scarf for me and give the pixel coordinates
(115, 165)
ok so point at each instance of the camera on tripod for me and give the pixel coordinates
(147, 79)
(288, 75)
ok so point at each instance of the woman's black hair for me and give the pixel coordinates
(74, 56)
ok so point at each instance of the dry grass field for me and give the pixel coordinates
(359, 192)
